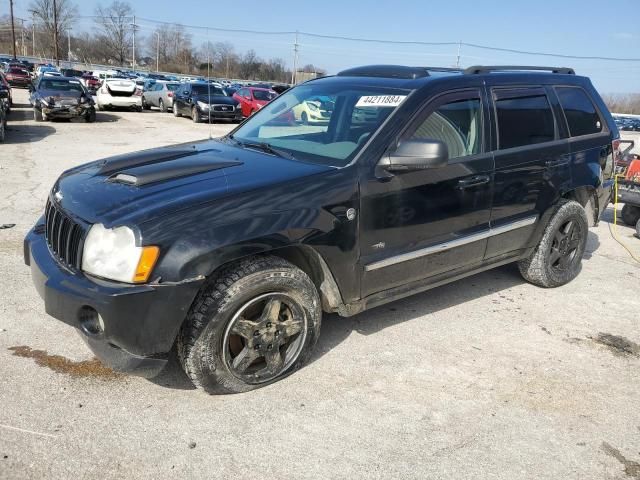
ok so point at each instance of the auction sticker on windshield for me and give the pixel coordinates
(381, 101)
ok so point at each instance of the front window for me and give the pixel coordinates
(325, 122)
(206, 90)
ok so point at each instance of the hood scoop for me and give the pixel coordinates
(155, 166)
(119, 162)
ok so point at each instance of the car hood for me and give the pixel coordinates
(215, 99)
(138, 187)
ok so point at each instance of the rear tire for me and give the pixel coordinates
(252, 325)
(638, 229)
(145, 105)
(630, 214)
(3, 129)
(558, 257)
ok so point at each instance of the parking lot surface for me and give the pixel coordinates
(485, 378)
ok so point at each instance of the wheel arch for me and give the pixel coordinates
(588, 198)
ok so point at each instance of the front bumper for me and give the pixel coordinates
(140, 321)
(67, 111)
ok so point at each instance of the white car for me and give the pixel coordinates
(119, 92)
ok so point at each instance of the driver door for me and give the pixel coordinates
(431, 222)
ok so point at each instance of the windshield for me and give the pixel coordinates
(264, 95)
(206, 90)
(60, 85)
(325, 122)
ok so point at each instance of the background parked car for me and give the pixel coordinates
(8, 102)
(61, 97)
(252, 99)
(161, 95)
(4, 94)
(70, 72)
(18, 77)
(90, 82)
(119, 92)
(203, 101)
(314, 110)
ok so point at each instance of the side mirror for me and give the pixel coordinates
(414, 155)
(4, 93)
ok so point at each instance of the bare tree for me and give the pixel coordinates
(43, 15)
(628, 103)
(116, 31)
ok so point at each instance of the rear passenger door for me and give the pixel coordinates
(531, 164)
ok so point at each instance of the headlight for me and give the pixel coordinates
(203, 106)
(112, 253)
(312, 106)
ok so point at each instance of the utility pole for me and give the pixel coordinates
(22, 52)
(158, 52)
(13, 30)
(134, 42)
(458, 57)
(69, 46)
(55, 33)
(294, 74)
(227, 66)
(33, 35)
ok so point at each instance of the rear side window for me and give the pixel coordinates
(524, 120)
(581, 114)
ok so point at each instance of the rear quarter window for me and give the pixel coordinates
(580, 112)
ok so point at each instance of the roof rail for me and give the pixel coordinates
(388, 71)
(514, 68)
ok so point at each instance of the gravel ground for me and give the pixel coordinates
(488, 378)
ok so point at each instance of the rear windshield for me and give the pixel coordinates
(264, 95)
(73, 73)
(173, 86)
(17, 70)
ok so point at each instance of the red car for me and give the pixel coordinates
(252, 99)
(18, 77)
(92, 83)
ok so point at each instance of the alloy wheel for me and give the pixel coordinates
(564, 246)
(264, 338)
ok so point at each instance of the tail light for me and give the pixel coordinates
(170, 94)
(138, 92)
(615, 146)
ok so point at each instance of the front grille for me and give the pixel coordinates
(223, 108)
(64, 236)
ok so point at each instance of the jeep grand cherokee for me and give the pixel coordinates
(231, 249)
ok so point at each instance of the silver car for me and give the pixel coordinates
(160, 94)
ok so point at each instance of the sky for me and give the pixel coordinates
(569, 27)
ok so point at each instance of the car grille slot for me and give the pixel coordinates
(63, 235)
(223, 108)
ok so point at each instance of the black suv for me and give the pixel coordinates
(231, 249)
(202, 101)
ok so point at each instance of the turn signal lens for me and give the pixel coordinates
(145, 265)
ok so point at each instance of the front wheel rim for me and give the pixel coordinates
(565, 246)
(264, 338)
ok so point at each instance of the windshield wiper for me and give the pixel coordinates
(264, 147)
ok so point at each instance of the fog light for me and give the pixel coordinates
(90, 321)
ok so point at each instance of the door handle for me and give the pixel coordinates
(473, 181)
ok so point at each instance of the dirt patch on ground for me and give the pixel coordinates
(618, 345)
(631, 469)
(87, 368)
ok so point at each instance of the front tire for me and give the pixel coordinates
(254, 324)
(304, 118)
(90, 117)
(37, 115)
(558, 257)
(176, 113)
(145, 105)
(163, 109)
(195, 115)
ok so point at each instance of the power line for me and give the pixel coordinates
(389, 42)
